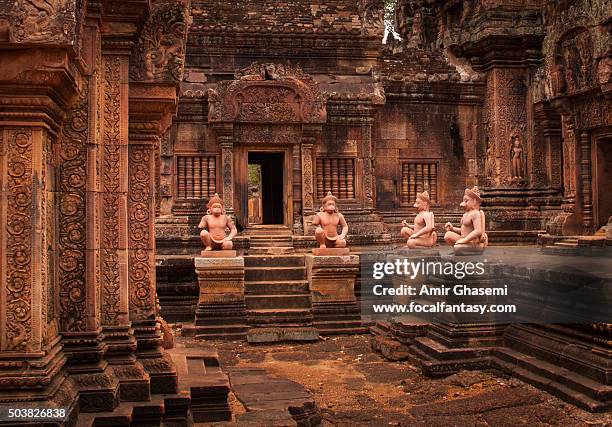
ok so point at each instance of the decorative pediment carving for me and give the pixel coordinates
(44, 21)
(159, 54)
(372, 13)
(268, 93)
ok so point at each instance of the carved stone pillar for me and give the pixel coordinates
(78, 238)
(308, 141)
(118, 333)
(29, 327)
(504, 118)
(225, 138)
(368, 165)
(586, 180)
(296, 158)
(141, 241)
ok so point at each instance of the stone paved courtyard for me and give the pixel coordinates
(353, 386)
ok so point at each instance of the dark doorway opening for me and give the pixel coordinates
(266, 188)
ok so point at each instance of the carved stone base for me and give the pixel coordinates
(331, 281)
(154, 359)
(456, 342)
(43, 384)
(97, 387)
(570, 362)
(461, 250)
(221, 311)
(134, 382)
(218, 254)
(330, 251)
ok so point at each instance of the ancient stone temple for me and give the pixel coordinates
(120, 120)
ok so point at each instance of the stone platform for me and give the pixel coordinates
(221, 311)
(272, 401)
(331, 280)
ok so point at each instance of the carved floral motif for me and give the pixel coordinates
(19, 229)
(111, 185)
(73, 216)
(142, 277)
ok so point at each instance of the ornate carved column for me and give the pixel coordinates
(225, 138)
(296, 179)
(309, 138)
(144, 137)
(29, 319)
(368, 162)
(586, 180)
(155, 69)
(118, 333)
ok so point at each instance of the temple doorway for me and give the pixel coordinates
(265, 188)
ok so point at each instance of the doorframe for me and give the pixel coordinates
(242, 195)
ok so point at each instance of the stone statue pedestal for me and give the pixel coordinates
(468, 250)
(330, 251)
(218, 254)
(331, 280)
(221, 312)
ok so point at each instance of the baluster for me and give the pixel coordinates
(197, 173)
(350, 178)
(404, 195)
(182, 177)
(434, 183)
(212, 176)
(328, 180)
(205, 171)
(411, 183)
(342, 174)
(419, 178)
(319, 178)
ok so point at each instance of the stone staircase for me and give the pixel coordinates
(270, 240)
(574, 245)
(202, 397)
(277, 299)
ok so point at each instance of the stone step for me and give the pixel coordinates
(220, 329)
(265, 243)
(566, 244)
(580, 383)
(278, 250)
(274, 261)
(559, 250)
(439, 351)
(200, 373)
(284, 316)
(282, 334)
(554, 387)
(276, 287)
(274, 273)
(357, 330)
(299, 301)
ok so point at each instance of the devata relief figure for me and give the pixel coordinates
(471, 237)
(421, 234)
(327, 221)
(516, 157)
(216, 221)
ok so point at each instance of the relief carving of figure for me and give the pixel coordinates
(214, 224)
(471, 237)
(422, 233)
(327, 221)
(517, 160)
